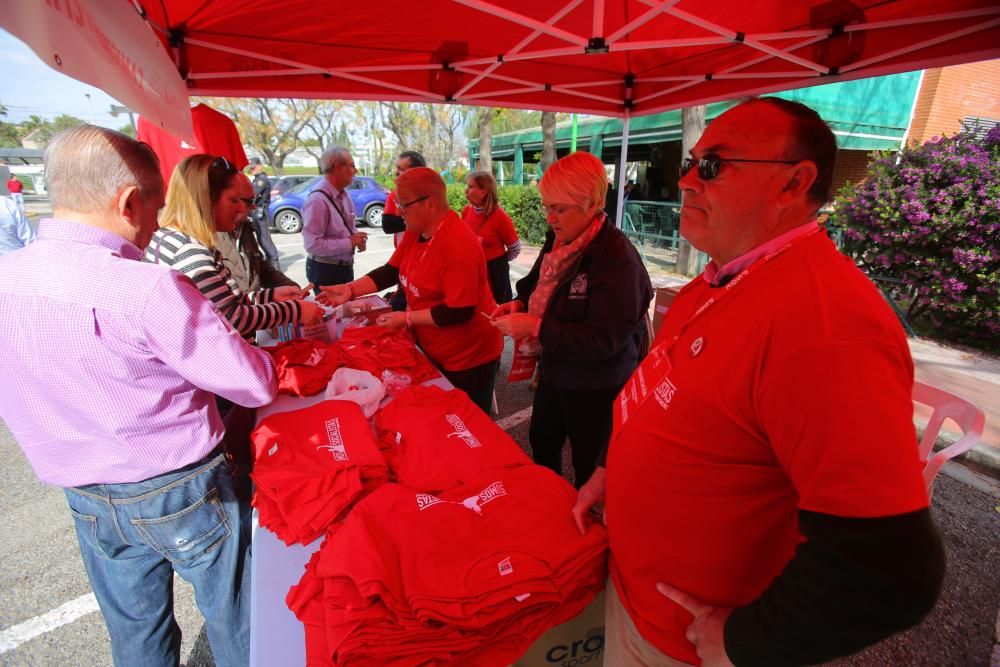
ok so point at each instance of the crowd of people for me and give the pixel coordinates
(751, 521)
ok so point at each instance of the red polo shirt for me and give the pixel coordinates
(792, 392)
(450, 268)
(495, 231)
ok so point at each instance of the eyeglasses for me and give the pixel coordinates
(402, 206)
(555, 209)
(223, 164)
(708, 165)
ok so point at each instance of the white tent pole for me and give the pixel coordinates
(520, 46)
(920, 45)
(650, 14)
(620, 176)
(522, 20)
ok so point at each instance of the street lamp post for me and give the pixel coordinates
(117, 109)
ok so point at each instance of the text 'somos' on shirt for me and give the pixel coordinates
(472, 576)
(450, 269)
(436, 439)
(311, 466)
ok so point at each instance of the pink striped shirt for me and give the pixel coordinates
(109, 364)
(715, 275)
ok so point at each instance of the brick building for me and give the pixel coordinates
(949, 96)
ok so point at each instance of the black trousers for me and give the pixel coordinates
(267, 246)
(584, 416)
(477, 382)
(498, 272)
(320, 274)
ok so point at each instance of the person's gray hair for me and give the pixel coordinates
(87, 167)
(331, 157)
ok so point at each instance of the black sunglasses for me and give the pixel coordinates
(402, 206)
(708, 165)
(223, 164)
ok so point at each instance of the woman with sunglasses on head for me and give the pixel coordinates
(494, 228)
(205, 197)
(583, 308)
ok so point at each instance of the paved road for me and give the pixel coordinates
(47, 616)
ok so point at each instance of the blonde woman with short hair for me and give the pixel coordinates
(582, 308)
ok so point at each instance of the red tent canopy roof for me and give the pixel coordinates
(594, 56)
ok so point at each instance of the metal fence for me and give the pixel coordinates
(654, 228)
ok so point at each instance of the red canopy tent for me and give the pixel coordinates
(607, 57)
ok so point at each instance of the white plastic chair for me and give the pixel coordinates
(946, 406)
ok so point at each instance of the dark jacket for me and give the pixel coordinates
(245, 261)
(594, 326)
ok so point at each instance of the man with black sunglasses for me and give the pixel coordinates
(764, 497)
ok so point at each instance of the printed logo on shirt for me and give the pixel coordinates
(697, 346)
(314, 358)
(405, 282)
(491, 492)
(462, 432)
(578, 288)
(665, 393)
(336, 446)
(505, 567)
(425, 500)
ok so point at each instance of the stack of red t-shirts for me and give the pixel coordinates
(304, 366)
(471, 576)
(435, 439)
(311, 466)
(376, 349)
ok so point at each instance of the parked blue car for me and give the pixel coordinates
(285, 210)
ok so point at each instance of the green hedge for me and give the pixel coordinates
(521, 202)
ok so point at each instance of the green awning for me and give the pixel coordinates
(868, 114)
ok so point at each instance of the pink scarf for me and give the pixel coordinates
(554, 266)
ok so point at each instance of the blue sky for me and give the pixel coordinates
(29, 86)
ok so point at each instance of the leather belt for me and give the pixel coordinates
(330, 260)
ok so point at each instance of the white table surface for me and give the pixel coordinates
(277, 638)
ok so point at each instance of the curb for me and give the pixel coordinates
(982, 456)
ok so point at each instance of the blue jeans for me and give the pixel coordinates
(133, 537)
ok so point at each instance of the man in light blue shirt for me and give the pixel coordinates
(15, 231)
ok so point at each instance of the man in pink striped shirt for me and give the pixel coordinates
(110, 369)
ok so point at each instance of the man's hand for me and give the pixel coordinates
(334, 295)
(705, 631)
(517, 325)
(290, 293)
(508, 308)
(311, 312)
(587, 499)
(394, 320)
(359, 240)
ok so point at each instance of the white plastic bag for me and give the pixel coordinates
(348, 384)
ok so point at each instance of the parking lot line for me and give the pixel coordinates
(64, 614)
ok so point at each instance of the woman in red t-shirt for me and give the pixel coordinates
(495, 230)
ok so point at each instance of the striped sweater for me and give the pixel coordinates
(246, 312)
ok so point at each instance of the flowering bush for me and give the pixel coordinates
(929, 216)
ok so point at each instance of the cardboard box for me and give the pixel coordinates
(369, 307)
(664, 297)
(579, 641)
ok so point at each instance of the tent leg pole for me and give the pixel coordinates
(620, 176)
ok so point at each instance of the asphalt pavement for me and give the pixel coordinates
(48, 617)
